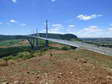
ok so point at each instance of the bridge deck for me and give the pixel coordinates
(102, 50)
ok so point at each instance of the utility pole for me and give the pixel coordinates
(46, 34)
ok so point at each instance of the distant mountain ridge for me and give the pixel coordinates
(10, 37)
(59, 36)
(50, 35)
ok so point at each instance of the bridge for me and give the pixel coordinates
(33, 40)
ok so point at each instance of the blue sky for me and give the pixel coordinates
(84, 18)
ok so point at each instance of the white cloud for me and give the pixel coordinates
(71, 25)
(57, 25)
(56, 28)
(53, 0)
(12, 21)
(60, 28)
(92, 29)
(70, 29)
(23, 24)
(14, 1)
(110, 24)
(85, 17)
(110, 29)
(1, 23)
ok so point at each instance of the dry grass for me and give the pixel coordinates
(3, 63)
(60, 67)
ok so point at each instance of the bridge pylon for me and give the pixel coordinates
(46, 43)
(36, 40)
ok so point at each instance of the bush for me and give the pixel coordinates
(72, 47)
(65, 48)
(56, 48)
(9, 57)
(24, 55)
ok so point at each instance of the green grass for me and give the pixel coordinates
(76, 39)
(12, 50)
(9, 42)
(23, 55)
(24, 52)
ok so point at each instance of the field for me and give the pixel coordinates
(59, 64)
(106, 42)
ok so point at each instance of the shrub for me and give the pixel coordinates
(65, 48)
(24, 55)
(3, 63)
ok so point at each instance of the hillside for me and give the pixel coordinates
(60, 36)
(56, 36)
(57, 66)
(106, 42)
(10, 37)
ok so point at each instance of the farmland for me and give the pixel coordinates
(106, 42)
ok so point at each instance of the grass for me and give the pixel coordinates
(23, 55)
(12, 50)
(9, 42)
(24, 52)
(96, 58)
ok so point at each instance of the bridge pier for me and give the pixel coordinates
(34, 43)
(30, 42)
(46, 44)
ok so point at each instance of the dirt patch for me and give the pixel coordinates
(56, 45)
(62, 67)
(24, 42)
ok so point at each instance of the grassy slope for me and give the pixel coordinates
(59, 67)
(60, 64)
(11, 47)
(12, 52)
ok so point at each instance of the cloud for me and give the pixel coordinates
(85, 17)
(53, 0)
(110, 24)
(70, 29)
(12, 21)
(110, 29)
(93, 32)
(23, 24)
(60, 28)
(1, 23)
(92, 29)
(14, 1)
(57, 25)
(71, 25)
(56, 28)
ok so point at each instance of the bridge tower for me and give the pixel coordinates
(37, 43)
(34, 41)
(46, 44)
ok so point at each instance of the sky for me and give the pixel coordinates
(84, 18)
